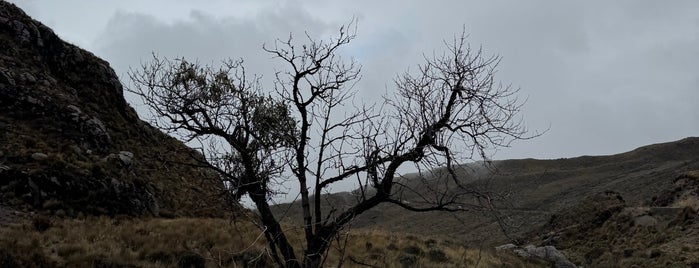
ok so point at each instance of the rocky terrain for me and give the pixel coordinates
(595, 209)
(606, 230)
(70, 143)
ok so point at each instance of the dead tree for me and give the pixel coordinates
(309, 131)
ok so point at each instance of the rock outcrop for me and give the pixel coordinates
(70, 142)
(546, 253)
(605, 231)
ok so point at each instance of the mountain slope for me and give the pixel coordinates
(605, 231)
(69, 141)
(536, 188)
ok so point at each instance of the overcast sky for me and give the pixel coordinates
(606, 76)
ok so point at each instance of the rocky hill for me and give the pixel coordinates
(71, 144)
(606, 231)
(536, 190)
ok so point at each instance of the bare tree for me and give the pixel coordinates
(309, 131)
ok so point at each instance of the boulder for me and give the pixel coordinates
(125, 157)
(505, 247)
(548, 253)
(39, 156)
(645, 220)
(94, 131)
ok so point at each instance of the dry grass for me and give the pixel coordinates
(145, 243)
(689, 201)
(125, 242)
(382, 249)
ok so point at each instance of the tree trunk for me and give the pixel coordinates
(313, 256)
(312, 260)
(275, 230)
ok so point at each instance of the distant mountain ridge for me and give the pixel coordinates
(70, 143)
(538, 189)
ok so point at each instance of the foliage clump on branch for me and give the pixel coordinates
(307, 130)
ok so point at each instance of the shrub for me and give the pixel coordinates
(437, 255)
(159, 256)
(22, 257)
(104, 263)
(191, 260)
(392, 246)
(655, 253)
(41, 223)
(407, 260)
(414, 250)
(7, 260)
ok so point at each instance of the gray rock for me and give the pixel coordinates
(126, 158)
(548, 253)
(39, 156)
(22, 31)
(645, 220)
(34, 101)
(505, 247)
(6, 77)
(74, 111)
(35, 192)
(116, 185)
(28, 78)
(76, 149)
(96, 127)
(89, 125)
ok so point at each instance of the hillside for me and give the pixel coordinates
(69, 142)
(604, 230)
(537, 189)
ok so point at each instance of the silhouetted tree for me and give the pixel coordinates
(308, 131)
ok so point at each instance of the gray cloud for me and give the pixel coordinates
(606, 76)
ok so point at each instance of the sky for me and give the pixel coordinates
(603, 77)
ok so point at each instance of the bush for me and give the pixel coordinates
(104, 263)
(23, 257)
(41, 223)
(407, 260)
(437, 255)
(7, 260)
(191, 260)
(392, 246)
(414, 250)
(159, 256)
